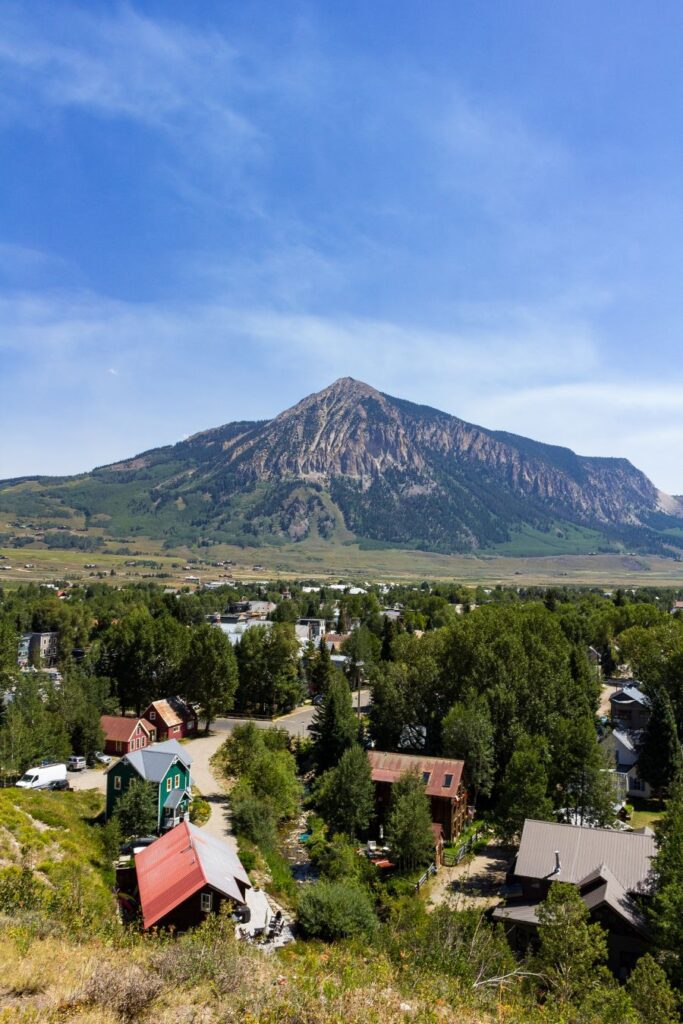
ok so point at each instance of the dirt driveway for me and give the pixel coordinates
(472, 883)
(201, 751)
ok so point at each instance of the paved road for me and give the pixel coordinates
(202, 750)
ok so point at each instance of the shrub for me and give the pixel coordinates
(254, 819)
(125, 989)
(200, 811)
(335, 910)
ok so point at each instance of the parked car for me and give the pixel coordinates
(102, 757)
(41, 776)
(318, 700)
(59, 784)
(76, 764)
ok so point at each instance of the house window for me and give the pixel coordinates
(152, 716)
(447, 781)
(117, 782)
(177, 782)
(169, 784)
(177, 728)
(207, 902)
(426, 776)
(118, 746)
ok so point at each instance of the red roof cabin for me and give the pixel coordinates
(173, 718)
(186, 875)
(122, 735)
(442, 777)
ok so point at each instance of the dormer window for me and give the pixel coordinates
(426, 776)
(447, 781)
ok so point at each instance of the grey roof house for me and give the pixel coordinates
(166, 766)
(609, 868)
(630, 707)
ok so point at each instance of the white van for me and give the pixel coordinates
(42, 776)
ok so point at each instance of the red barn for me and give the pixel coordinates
(122, 735)
(173, 718)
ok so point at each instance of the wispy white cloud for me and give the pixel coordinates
(528, 371)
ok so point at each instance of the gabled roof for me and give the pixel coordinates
(438, 771)
(180, 864)
(611, 893)
(174, 798)
(172, 711)
(120, 728)
(627, 855)
(629, 695)
(152, 762)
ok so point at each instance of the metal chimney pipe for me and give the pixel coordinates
(558, 865)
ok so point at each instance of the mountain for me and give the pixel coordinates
(350, 463)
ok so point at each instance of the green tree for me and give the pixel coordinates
(31, 729)
(389, 706)
(660, 761)
(468, 735)
(136, 811)
(209, 672)
(346, 793)
(273, 778)
(666, 907)
(334, 727)
(651, 994)
(268, 667)
(571, 950)
(409, 823)
(143, 656)
(579, 775)
(524, 787)
(321, 668)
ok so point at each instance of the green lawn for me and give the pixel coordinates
(646, 813)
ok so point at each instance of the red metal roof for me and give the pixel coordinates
(388, 767)
(181, 863)
(120, 728)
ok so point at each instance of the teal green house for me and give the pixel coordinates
(167, 767)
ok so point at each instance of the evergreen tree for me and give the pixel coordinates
(136, 810)
(346, 793)
(322, 669)
(210, 672)
(334, 727)
(659, 760)
(388, 634)
(571, 950)
(666, 906)
(468, 735)
(409, 823)
(651, 994)
(524, 788)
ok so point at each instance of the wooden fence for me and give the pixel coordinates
(452, 857)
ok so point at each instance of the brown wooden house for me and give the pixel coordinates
(183, 877)
(611, 871)
(442, 777)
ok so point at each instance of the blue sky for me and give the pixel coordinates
(209, 210)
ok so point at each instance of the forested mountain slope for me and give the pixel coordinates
(350, 463)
